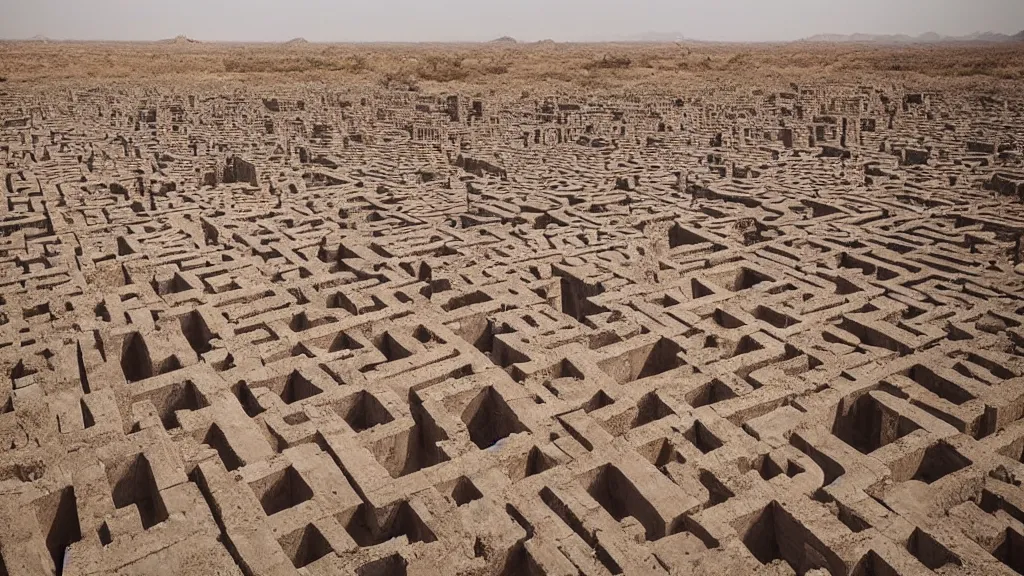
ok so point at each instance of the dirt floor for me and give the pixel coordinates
(508, 309)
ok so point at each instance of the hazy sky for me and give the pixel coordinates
(527, 20)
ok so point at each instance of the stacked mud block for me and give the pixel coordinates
(312, 329)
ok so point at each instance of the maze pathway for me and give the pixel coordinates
(293, 329)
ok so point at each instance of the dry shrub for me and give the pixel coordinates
(284, 63)
(454, 67)
(738, 58)
(559, 75)
(995, 61)
(403, 81)
(517, 66)
(609, 62)
(442, 68)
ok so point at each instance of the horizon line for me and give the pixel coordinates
(652, 37)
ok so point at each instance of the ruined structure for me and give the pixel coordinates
(295, 330)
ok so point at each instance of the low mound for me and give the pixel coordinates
(180, 39)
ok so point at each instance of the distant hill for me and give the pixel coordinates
(926, 38)
(180, 39)
(985, 37)
(296, 42)
(504, 40)
(1019, 36)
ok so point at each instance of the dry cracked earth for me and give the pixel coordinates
(315, 329)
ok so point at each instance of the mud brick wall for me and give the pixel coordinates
(283, 330)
